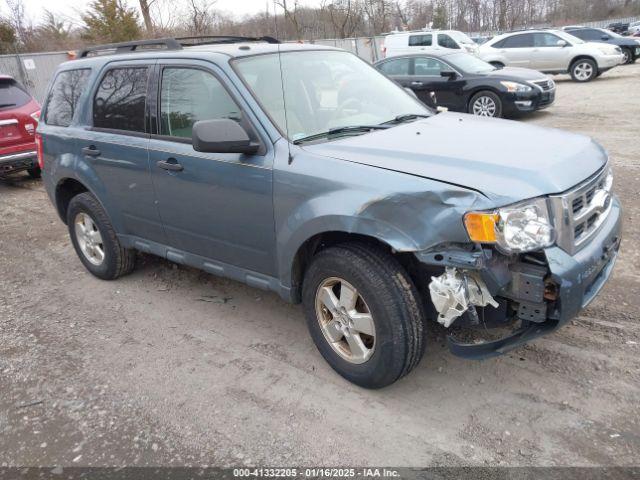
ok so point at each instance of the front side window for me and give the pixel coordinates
(399, 66)
(426, 66)
(545, 40)
(310, 92)
(420, 40)
(63, 98)
(519, 41)
(446, 41)
(189, 95)
(120, 100)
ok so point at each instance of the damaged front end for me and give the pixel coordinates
(493, 297)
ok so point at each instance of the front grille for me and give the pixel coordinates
(579, 212)
(545, 85)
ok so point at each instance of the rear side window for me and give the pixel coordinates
(446, 41)
(64, 95)
(120, 101)
(189, 95)
(545, 40)
(399, 66)
(518, 41)
(11, 94)
(420, 40)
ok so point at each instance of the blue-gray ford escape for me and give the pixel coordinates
(302, 170)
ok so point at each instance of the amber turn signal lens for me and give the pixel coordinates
(481, 227)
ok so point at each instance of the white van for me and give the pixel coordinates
(402, 43)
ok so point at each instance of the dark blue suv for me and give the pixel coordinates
(303, 170)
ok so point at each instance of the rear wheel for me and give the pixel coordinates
(34, 172)
(364, 314)
(95, 240)
(584, 70)
(486, 104)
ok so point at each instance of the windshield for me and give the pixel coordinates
(469, 63)
(461, 37)
(568, 37)
(323, 90)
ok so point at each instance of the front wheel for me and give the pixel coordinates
(627, 56)
(364, 314)
(486, 104)
(584, 70)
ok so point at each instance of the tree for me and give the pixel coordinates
(440, 17)
(110, 20)
(7, 36)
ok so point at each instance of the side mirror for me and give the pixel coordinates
(221, 136)
(561, 43)
(450, 74)
(604, 37)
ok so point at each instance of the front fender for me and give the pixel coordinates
(406, 212)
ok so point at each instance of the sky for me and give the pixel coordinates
(69, 8)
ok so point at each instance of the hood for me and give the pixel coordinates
(505, 160)
(514, 73)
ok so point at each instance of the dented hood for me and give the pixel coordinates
(505, 160)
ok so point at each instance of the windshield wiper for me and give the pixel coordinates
(406, 117)
(2, 105)
(339, 130)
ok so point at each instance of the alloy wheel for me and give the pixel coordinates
(627, 56)
(89, 238)
(345, 320)
(583, 71)
(484, 107)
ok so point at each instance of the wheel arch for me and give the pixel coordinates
(582, 57)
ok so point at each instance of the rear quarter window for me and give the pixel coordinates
(12, 95)
(62, 102)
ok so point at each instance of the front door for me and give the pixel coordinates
(216, 205)
(426, 78)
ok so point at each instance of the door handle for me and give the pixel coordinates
(170, 164)
(417, 84)
(91, 151)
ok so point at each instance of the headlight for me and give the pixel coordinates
(513, 87)
(517, 228)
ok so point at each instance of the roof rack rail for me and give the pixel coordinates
(215, 39)
(124, 47)
(169, 44)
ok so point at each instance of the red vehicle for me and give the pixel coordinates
(19, 114)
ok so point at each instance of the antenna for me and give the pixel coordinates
(284, 100)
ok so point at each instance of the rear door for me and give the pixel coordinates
(518, 50)
(115, 146)
(398, 69)
(215, 205)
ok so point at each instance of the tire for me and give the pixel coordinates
(628, 56)
(385, 291)
(485, 104)
(34, 172)
(583, 70)
(116, 260)
(497, 64)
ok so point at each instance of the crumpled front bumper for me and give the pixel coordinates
(580, 277)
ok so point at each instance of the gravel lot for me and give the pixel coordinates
(171, 366)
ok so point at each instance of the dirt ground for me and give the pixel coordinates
(172, 366)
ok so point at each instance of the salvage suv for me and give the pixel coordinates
(303, 170)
